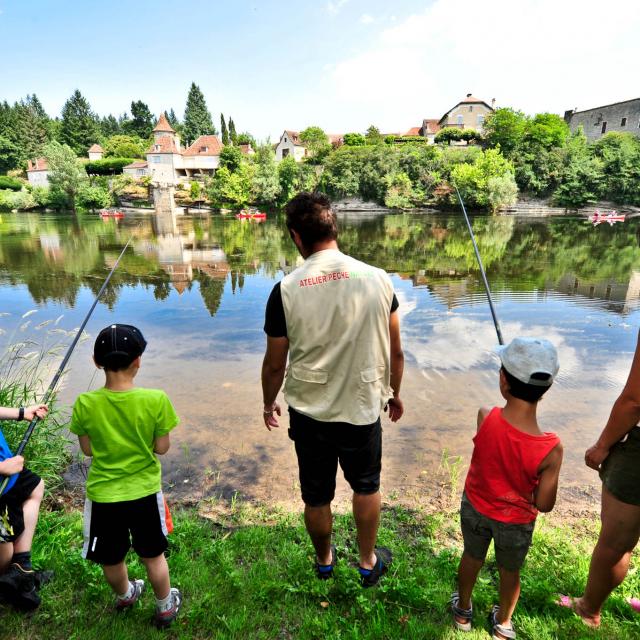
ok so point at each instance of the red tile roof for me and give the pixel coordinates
(39, 164)
(414, 131)
(204, 146)
(431, 125)
(163, 124)
(164, 144)
(142, 164)
(96, 148)
(295, 137)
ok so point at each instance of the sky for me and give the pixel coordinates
(338, 64)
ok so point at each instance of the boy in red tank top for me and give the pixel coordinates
(513, 474)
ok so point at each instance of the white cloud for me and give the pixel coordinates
(534, 54)
(334, 6)
(365, 18)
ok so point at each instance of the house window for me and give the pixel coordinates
(460, 120)
(204, 149)
(156, 159)
(604, 127)
(285, 153)
(156, 147)
(480, 119)
(623, 122)
(470, 107)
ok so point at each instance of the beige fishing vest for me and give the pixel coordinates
(337, 312)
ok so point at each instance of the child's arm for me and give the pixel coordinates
(483, 412)
(40, 410)
(85, 445)
(547, 489)
(161, 444)
(11, 465)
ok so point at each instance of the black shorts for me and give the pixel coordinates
(111, 528)
(11, 514)
(320, 446)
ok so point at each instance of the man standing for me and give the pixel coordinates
(336, 319)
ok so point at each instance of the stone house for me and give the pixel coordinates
(469, 113)
(38, 172)
(168, 162)
(95, 152)
(619, 116)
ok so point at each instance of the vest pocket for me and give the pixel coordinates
(308, 387)
(370, 388)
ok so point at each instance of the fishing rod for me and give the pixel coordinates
(63, 364)
(482, 273)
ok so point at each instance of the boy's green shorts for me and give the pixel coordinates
(511, 541)
(620, 472)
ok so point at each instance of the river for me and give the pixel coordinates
(197, 288)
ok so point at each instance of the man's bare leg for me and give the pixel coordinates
(30, 511)
(319, 523)
(366, 512)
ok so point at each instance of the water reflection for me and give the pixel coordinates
(198, 286)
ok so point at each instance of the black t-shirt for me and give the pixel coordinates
(275, 324)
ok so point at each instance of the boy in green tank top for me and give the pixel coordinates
(123, 427)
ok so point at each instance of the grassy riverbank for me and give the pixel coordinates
(246, 573)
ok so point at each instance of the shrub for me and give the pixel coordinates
(448, 135)
(354, 140)
(107, 166)
(10, 183)
(18, 200)
(93, 197)
(41, 196)
(399, 191)
(501, 191)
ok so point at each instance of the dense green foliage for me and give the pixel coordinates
(10, 183)
(224, 131)
(121, 146)
(142, 120)
(66, 174)
(197, 118)
(247, 574)
(316, 142)
(107, 166)
(79, 128)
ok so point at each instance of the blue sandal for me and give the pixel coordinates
(325, 571)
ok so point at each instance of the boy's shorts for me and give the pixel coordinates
(511, 541)
(620, 471)
(11, 513)
(111, 528)
(321, 445)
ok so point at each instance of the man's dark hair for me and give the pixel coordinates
(310, 215)
(523, 391)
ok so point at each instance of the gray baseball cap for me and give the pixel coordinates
(531, 360)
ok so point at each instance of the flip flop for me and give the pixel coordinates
(568, 602)
(634, 603)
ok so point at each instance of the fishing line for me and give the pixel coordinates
(63, 364)
(482, 273)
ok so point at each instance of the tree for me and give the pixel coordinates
(504, 128)
(354, 140)
(233, 188)
(245, 138)
(447, 135)
(502, 191)
(124, 147)
(172, 119)
(30, 128)
(620, 157)
(288, 178)
(142, 121)
(373, 135)
(66, 174)
(109, 126)
(79, 129)
(9, 155)
(224, 131)
(399, 191)
(93, 196)
(581, 175)
(232, 131)
(197, 119)
(231, 158)
(316, 142)
(266, 184)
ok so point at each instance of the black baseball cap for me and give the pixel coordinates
(118, 345)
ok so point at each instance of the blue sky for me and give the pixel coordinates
(340, 64)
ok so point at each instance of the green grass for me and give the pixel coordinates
(248, 574)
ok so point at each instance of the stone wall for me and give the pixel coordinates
(610, 118)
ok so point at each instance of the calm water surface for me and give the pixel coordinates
(197, 287)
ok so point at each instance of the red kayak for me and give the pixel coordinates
(111, 213)
(251, 216)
